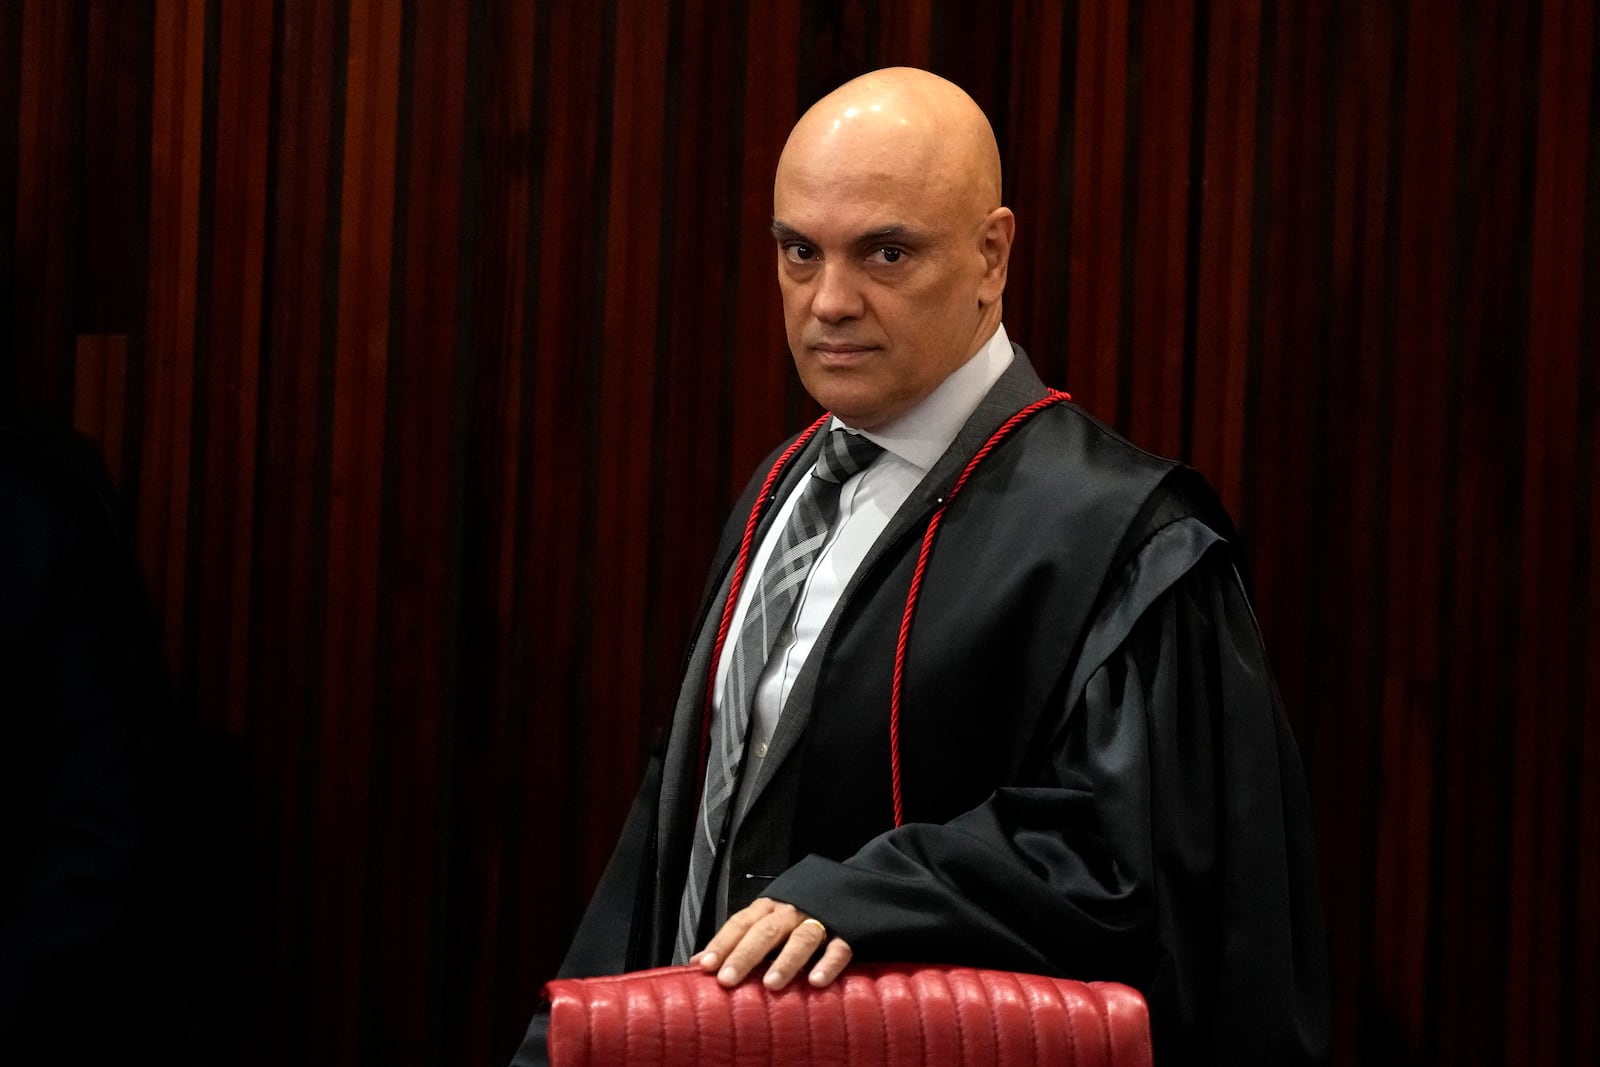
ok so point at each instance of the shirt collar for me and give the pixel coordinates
(921, 435)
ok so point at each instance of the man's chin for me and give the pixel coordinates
(856, 413)
(850, 392)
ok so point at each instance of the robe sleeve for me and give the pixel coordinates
(606, 939)
(1167, 844)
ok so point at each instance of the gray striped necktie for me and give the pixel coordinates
(843, 454)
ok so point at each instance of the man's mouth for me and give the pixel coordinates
(841, 351)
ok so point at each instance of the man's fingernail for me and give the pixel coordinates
(773, 980)
(817, 976)
(707, 959)
(727, 975)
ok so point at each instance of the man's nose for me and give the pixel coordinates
(838, 294)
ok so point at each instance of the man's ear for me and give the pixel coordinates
(999, 229)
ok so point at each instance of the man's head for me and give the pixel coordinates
(892, 242)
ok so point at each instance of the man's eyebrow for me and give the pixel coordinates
(896, 233)
(784, 232)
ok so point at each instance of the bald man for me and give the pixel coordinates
(1060, 750)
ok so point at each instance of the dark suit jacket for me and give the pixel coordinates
(1097, 776)
(87, 969)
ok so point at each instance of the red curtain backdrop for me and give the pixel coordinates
(429, 342)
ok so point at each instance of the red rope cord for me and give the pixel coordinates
(895, 696)
(739, 566)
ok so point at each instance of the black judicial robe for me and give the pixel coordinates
(1098, 779)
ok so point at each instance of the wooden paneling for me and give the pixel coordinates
(430, 342)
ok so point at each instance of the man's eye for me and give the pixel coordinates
(797, 253)
(889, 255)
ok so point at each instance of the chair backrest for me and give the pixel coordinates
(875, 1015)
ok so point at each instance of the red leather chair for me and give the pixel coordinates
(885, 1015)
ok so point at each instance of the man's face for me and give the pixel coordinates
(881, 269)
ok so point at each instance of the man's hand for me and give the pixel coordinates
(748, 935)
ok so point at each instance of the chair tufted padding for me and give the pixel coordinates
(875, 1015)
